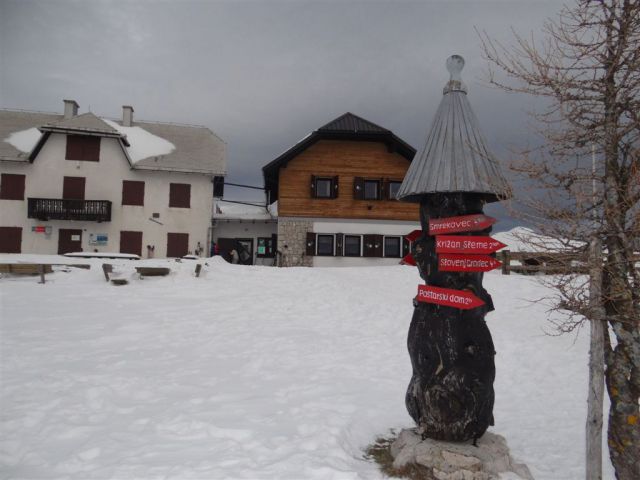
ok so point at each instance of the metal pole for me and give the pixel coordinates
(596, 348)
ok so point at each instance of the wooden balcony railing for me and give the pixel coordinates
(62, 209)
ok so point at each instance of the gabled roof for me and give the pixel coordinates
(346, 127)
(197, 149)
(455, 157)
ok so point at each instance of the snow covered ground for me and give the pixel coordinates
(252, 373)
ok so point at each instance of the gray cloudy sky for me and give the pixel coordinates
(261, 74)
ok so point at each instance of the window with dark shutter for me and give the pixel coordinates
(177, 244)
(392, 247)
(310, 249)
(358, 188)
(131, 242)
(180, 195)
(132, 192)
(372, 190)
(83, 147)
(10, 239)
(12, 186)
(352, 245)
(325, 245)
(373, 246)
(73, 188)
(324, 187)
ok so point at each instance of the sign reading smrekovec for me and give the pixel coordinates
(466, 223)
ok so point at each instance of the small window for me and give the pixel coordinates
(392, 247)
(324, 187)
(83, 147)
(132, 192)
(394, 187)
(325, 245)
(12, 187)
(266, 248)
(180, 195)
(352, 245)
(372, 189)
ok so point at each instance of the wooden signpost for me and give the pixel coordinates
(461, 299)
(465, 223)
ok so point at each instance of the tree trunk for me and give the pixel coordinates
(450, 395)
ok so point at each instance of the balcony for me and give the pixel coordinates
(61, 209)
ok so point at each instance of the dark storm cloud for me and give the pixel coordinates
(261, 74)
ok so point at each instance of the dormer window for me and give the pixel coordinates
(83, 147)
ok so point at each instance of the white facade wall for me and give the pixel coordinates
(360, 227)
(44, 179)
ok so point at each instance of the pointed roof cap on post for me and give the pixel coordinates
(455, 157)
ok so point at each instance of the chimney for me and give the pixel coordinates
(127, 116)
(70, 108)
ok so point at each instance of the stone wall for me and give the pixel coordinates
(292, 239)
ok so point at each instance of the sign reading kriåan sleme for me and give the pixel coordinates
(445, 296)
(466, 223)
(457, 262)
(467, 244)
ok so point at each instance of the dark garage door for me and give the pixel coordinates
(10, 239)
(131, 242)
(177, 244)
(69, 241)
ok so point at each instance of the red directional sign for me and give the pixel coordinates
(408, 260)
(461, 299)
(466, 223)
(465, 244)
(456, 262)
(413, 236)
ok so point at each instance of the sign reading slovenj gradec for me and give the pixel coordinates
(466, 223)
(457, 262)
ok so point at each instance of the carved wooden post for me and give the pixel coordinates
(450, 395)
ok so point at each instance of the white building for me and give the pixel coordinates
(83, 183)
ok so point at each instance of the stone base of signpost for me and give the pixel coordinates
(458, 461)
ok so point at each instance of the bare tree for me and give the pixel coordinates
(587, 175)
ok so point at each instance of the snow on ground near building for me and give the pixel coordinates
(253, 373)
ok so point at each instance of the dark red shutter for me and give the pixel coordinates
(132, 192)
(339, 244)
(131, 242)
(177, 244)
(73, 188)
(373, 245)
(311, 244)
(386, 187)
(313, 186)
(358, 188)
(12, 186)
(180, 195)
(83, 147)
(10, 239)
(334, 187)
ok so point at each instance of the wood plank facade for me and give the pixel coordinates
(348, 160)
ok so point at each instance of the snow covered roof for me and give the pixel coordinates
(236, 211)
(455, 157)
(149, 145)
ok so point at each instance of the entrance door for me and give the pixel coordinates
(245, 250)
(131, 242)
(177, 244)
(69, 241)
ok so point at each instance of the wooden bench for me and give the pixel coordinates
(25, 268)
(153, 271)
